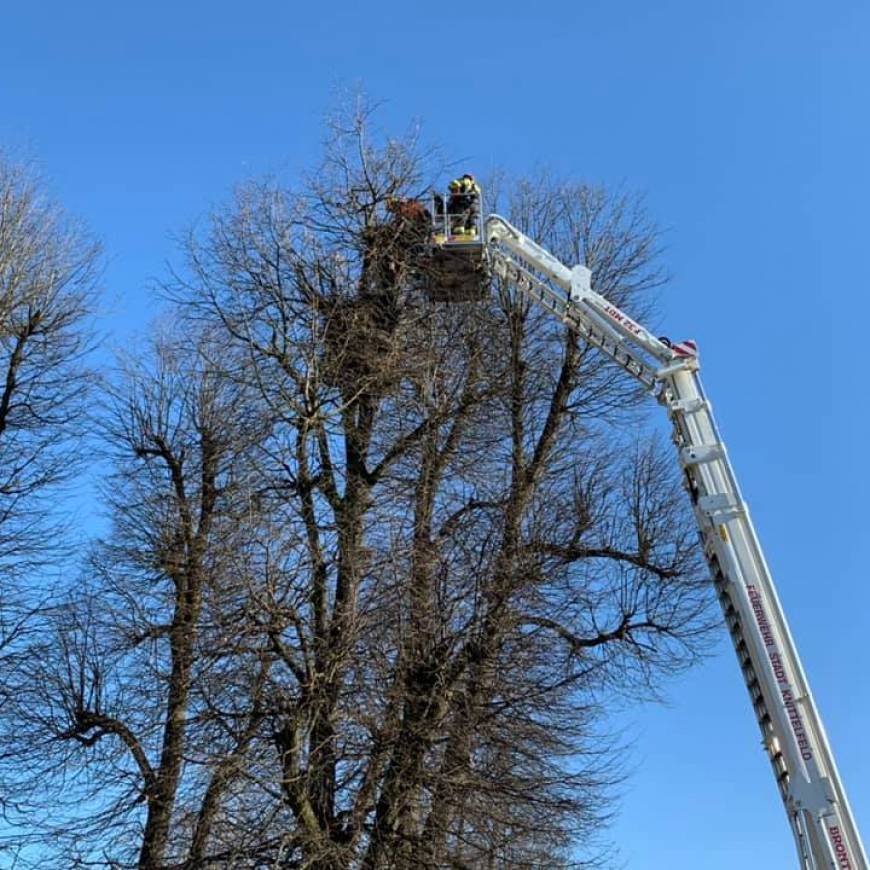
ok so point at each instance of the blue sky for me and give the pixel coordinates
(745, 123)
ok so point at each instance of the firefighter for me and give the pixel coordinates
(463, 205)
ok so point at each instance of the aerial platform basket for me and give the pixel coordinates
(453, 267)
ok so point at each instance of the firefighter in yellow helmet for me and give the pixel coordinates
(463, 205)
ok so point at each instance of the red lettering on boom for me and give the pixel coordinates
(779, 671)
(761, 616)
(616, 315)
(840, 850)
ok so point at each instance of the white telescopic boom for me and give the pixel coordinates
(793, 735)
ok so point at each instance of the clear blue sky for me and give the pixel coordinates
(747, 125)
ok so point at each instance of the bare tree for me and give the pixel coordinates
(487, 551)
(122, 682)
(48, 268)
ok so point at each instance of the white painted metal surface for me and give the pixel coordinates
(792, 731)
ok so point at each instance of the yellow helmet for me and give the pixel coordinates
(455, 186)
(468, 184)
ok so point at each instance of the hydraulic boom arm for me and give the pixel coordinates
(792, 731)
